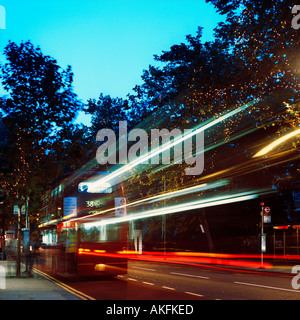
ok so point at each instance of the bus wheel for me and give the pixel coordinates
(54, 265)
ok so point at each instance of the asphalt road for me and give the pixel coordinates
(216, 283)
(155, 281)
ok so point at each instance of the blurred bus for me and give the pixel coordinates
(74, 241)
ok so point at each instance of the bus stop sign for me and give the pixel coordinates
(267, 214)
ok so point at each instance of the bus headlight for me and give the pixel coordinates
(99, 267)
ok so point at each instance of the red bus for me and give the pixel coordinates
(74, 240)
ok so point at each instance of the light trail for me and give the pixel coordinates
(201, 128)
(183, 192)
(163, 196)
(276, 143)
(204, 203)
(211, 146)
(236, 170)
(252, 165)
(193, 258)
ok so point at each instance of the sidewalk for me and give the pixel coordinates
(35, 288)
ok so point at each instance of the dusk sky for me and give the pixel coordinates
(108, 43)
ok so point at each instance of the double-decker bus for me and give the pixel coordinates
(74, 240)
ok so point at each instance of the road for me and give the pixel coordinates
(216, 283)
(157, 281)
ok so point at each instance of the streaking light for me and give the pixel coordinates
(204, 203)
(201, 128)
(182, 192)
(163, 196)
(276, 143)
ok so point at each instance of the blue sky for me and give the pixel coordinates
(108, 43)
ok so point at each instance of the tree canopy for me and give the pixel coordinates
(40, 101)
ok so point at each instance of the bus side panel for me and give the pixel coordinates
(101, 259)
(52, 259)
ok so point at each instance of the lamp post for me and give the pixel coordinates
(18, 269)
(164, 225)
(262, 237)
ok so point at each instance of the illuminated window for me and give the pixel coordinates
(101, 233)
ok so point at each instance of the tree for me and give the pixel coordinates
(41, 101)
(41, 97)
(253, 57)
(106, 112)
(73, 147)
(192, 75)
(266, 48)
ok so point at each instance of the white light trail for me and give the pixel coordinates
(181, 139)
(163, 196)
(204, 203)
(184, 191)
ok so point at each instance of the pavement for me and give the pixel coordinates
(37, 287)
